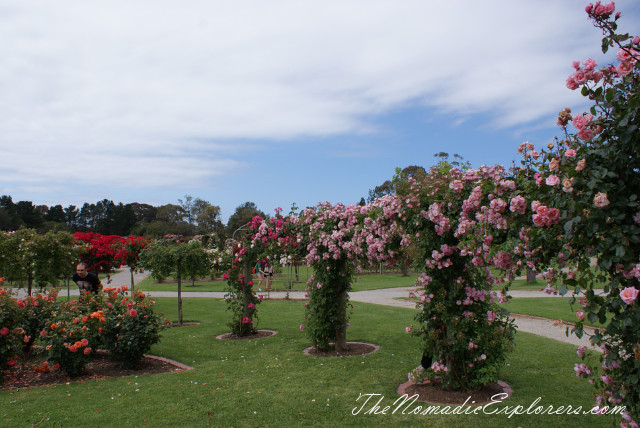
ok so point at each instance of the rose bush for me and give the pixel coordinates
(597, 161)
(10, 333)
(130, 325)
(460, 223)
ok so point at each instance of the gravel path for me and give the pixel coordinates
(387, 296)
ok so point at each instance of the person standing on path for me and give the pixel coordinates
(87, 281)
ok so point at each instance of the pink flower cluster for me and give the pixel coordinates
(518, 205)
(584, 75)
(600, 10)
(582, 370)
(544, 216)
(436, 216)
(439, 366)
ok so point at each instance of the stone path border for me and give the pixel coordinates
(168, 361)
(224, 336)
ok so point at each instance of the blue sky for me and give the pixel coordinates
(274, 102)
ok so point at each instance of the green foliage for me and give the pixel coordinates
(37, 258)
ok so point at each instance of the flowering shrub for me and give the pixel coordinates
(73, 333)
(241, 299)
(590, 176)
(338, 240)
(103, 253)
(459, 222)
(34, 313)
(130, 325)
(10, 333)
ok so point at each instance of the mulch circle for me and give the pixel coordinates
(432, 393)
(353, 348)
(257, 335)
(24, 374)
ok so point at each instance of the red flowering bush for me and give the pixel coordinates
(131, 327)
(34, 313)
(103, 253)
(10, 333)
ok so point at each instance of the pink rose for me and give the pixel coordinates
(580, 315)
(552, 180)
(4, 331)
(570, 153)
(553, 214)
(629, 294)
(581, 164)
(133, 313)
(600, 200)
(535, 205)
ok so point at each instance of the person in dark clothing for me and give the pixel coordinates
(87, 281)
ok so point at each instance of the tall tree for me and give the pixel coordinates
(243, 215)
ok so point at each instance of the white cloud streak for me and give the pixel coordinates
(153, 91)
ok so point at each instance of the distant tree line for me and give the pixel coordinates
(190, 216)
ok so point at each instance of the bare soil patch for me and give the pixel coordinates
(28, 371)
(257, 335)
(433, 393)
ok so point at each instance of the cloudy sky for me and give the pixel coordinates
(275, 102)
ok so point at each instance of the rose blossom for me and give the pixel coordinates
(570, 153)
(629, 294)
(581, 164)
(600, 200)
(552, 180)
(567, 185)
(580, 315)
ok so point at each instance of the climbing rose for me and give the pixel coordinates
(628, 295)
(600, 200)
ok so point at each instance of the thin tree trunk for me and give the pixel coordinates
(341, 333)
(246, 291)
(531, 275)
(132, 284)
(29, 283)
(179, 293)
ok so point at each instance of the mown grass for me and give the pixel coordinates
(555, 308)
(270, 383)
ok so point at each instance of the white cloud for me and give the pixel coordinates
(142, 88)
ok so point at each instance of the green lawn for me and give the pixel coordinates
(363, 282)
(270, 383)
(555, 308)
(522, 284)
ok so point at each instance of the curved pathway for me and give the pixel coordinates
(386, 296)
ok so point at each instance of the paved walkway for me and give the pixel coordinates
(387, 296)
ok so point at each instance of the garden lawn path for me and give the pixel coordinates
(386, 296)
